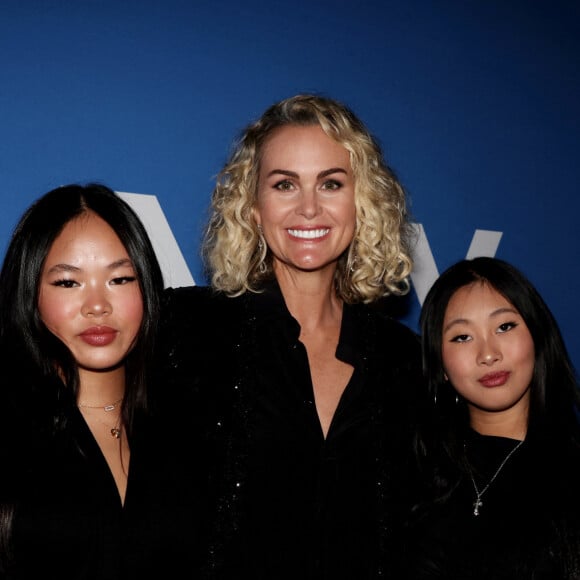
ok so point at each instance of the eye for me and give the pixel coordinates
(331, 184)
(64, 283)
(284, 185)
(506, 326)
(121, 280)
(461, 338)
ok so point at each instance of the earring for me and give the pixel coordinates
(352, 263)
(261, 241)
(262, 266)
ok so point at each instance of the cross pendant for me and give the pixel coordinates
(476, 505)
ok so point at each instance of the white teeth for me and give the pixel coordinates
(309, 234)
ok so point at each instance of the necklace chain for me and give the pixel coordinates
(110, 407)
(478, 503)
(116, 430)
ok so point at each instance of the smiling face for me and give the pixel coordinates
(89, 295)
(488, 354)
(305, 202)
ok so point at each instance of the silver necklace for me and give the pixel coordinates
(478, 494)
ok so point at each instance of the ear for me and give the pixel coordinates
(256, 215)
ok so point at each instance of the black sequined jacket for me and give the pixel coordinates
(284, 502)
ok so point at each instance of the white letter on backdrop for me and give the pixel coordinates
(483, 243)
(173, 265)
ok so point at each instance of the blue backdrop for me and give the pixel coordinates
(476, 103)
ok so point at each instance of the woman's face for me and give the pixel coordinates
(89, 295)
(488, 352)
(305, 201)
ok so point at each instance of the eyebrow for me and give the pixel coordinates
(70, 268)
(498, 312)
(322, 174)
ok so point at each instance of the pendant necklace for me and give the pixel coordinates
(115, 431)
(478, 494)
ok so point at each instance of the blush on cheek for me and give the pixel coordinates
(54, 311)
(133, 316)
(137, 310)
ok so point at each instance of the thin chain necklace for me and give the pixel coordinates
(116, 430)
(110, 407)
(478, 494)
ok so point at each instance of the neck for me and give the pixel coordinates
(310, 296)
(101, 388)
(510, 424)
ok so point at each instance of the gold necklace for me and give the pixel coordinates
(478, 494)
(110, 407)
(115, 431)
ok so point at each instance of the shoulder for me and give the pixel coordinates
(198, 319)
(31, 401)
(392, 352)
(186, 296)
(197, 304)
(388, 332)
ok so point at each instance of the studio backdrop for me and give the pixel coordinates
(475, 103)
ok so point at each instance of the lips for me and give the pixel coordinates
(495, 379)
(99, 335)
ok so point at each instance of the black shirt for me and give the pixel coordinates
(69, 521)
(285, 502)
(527, 526)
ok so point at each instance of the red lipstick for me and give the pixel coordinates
(99, 335)
(496, 379)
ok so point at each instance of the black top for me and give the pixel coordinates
(69, 521)
(287, 502)
(528, 522)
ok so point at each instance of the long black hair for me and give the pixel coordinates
(21, 327)
(554, 391)
(46, 379)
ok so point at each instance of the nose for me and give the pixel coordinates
(489, 353)
(309, 205)
(96, 304)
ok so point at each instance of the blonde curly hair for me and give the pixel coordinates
(377, 262)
